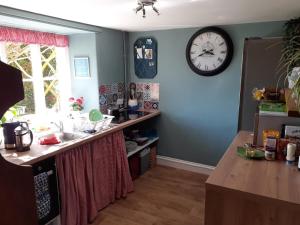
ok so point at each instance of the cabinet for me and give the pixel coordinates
(17, 193)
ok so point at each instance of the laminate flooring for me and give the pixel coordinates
(162, 196)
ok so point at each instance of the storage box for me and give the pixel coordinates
(145, 160)
(134, 166)
(153, 155)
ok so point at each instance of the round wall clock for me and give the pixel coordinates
(209, 51)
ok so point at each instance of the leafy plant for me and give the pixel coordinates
(290, 57)
(9, 115)
(291, 46)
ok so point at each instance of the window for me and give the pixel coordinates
(45, 70)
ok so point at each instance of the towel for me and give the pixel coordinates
(43, 199)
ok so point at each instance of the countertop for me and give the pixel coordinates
(268, 179)
(40, 152)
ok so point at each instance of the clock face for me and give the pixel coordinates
(209, 51)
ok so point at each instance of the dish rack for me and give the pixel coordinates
(83, 123)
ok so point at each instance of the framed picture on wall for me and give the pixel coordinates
(82, 67)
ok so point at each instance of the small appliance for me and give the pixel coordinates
(24, 137)
(9, 134)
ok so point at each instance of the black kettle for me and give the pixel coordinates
(24, 137)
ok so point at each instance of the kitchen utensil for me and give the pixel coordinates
(23, 137)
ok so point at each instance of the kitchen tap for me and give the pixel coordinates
(60, 125)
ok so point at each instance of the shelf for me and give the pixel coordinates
(139, 148)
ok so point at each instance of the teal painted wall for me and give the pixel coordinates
(199, 114)
(106, 56)
(85, 45)
(110, 56)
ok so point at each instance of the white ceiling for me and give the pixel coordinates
(38, 26)
(119, 14)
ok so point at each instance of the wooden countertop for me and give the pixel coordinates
(40, 152)
(271, 179)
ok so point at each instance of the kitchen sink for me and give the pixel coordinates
(66, 136)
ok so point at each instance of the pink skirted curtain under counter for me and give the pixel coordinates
(91, 177)
(32, 37)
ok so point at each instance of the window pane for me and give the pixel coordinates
(48, 56)
(51, 94)
(28, 101)
(18, 55)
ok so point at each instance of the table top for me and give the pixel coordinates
(40, 152)
(271, 179)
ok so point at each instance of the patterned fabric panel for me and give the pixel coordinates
(43, 199)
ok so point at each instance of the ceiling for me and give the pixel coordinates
(37, 26)
(119, 14)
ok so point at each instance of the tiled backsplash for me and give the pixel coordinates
(109, 94)
(147, 95)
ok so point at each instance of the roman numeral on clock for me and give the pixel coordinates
(223, 52)
(220, 59)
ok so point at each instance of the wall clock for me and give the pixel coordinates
(209, 51)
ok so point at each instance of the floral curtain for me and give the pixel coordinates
(32, 37)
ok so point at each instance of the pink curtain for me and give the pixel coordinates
(91, 177)
(32, 37)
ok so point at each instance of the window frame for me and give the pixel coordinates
(63, 75)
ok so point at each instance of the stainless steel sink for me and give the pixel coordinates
(66, 136)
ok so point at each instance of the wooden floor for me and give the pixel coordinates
(163, 196)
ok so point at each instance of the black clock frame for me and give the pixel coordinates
(227, 60)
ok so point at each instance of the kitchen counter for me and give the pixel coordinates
(251, 191)
(40, 152)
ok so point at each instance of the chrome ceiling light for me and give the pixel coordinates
(145, 3)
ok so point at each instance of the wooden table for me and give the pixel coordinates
(252, 192)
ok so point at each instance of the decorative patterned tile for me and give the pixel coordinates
(141, 105)
(147, 105)
(121, 95)
(103, 109)
(102, 100)
(147, 87)
(146, 96)
(115, 97)
(139, 87)
(114, 88)
(155, 105)
(102, 89)
(154, 92)
(121, 87)
(107, 89)
(109, 99)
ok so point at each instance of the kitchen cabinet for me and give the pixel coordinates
(251, 192)
(96, 161)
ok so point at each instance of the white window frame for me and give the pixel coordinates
(62, 72)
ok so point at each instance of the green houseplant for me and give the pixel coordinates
(290, 58)
(9, 115)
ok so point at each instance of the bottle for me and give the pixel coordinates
(290, 153)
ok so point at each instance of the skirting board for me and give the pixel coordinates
(184, 165)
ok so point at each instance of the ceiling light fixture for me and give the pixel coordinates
(145, 3)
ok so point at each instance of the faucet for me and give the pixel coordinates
(60, 126)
